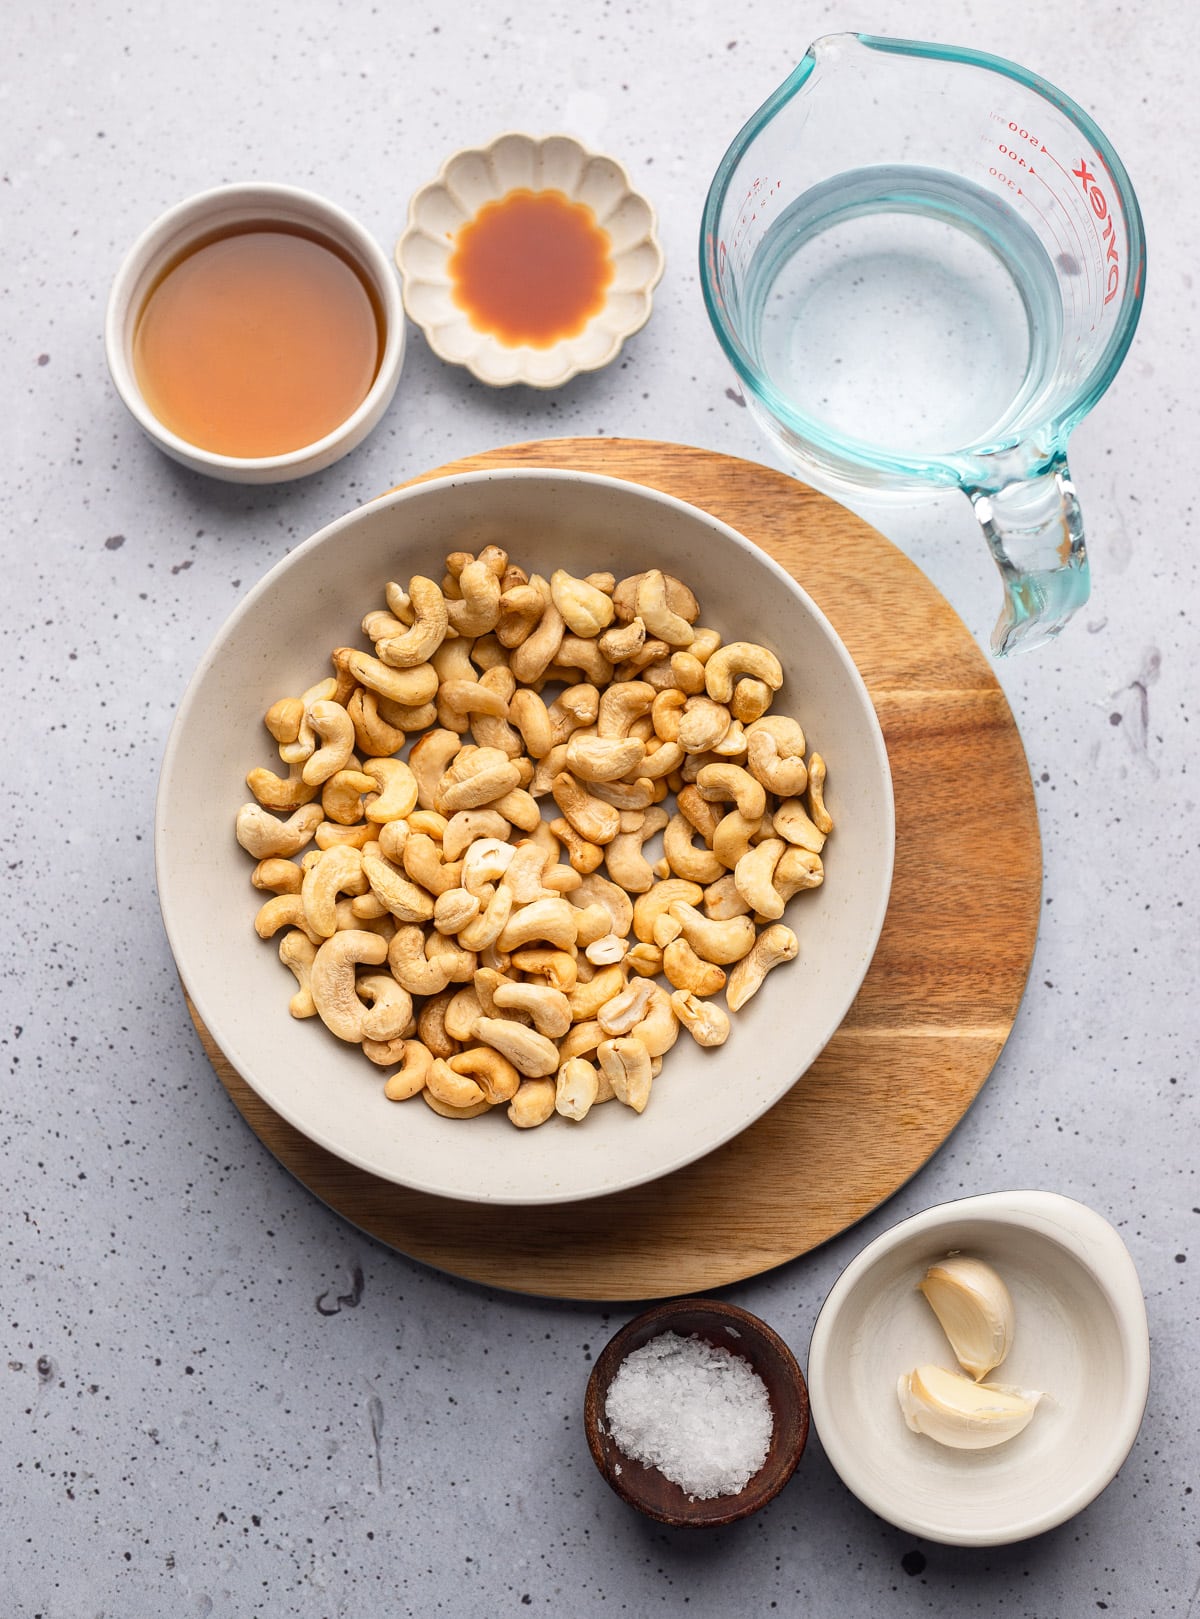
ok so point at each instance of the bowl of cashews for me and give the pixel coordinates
(524, 835)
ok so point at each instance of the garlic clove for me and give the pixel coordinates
(958, 1412)
(975, 1310)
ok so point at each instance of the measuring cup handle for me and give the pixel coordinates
(1034, 529)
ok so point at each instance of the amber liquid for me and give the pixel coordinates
(531, 268)
(258, 342)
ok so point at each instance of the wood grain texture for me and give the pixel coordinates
(934, 1010)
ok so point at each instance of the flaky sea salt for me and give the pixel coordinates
(697, 1413)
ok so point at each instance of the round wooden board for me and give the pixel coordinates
(934, 1010)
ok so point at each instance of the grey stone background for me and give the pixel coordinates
(218, 1398)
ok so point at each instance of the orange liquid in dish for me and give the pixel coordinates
(531, 268)
(258, 342)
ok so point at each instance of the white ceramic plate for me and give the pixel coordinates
(480, 175)
(276, 643)
(1081, 1337)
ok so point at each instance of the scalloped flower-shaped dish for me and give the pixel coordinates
(514, 162)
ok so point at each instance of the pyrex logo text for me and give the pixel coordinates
(1099, 202)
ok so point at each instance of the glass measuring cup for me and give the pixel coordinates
(926, 265)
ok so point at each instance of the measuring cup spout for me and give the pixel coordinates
(1034, 529)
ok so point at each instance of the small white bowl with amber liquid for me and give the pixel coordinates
(255, 332)
(529, 260)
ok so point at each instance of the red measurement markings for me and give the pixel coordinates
(760, 196)
(1104, 224)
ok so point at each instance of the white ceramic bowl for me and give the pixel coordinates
(277, 642)
(213, 211)
(1081, 1337)
(480, 175)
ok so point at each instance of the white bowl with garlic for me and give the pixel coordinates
(978, 1373)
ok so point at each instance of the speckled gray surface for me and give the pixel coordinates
(215, 1396)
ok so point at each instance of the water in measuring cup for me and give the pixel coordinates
(905, 308)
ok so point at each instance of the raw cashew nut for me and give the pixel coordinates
(621, 704)
(623, 1011)
(549, 921)
(284, 911)
(704, 815)
(482, 933)
(679, 598)
(338, 871)
(587, 998)
(557, 967)
(705, 1021)
(463, 1007)
(423, 862)
(262, 835)
(798, 869)
(575, 1088)
(456, 1090)
(686, 970)
(736, 659)
(397, 789)
(490, 1070)
(532, 1053)
(529, 714)
(410, 1077)
(603, 758)
(469, 826)
(537, 651)
(298, 952)
(533, 1104)
(478, 612)
(429, 759)
(342, 796)
(774, 945)
(718, 942)
(281, 792)
(408, 686)
(627, 865)
(655, 613)
(403, 899)
(821, 817)
(775, 755)
(659, 1029)
(793, 822)
(410, 966)
(596, 890)
(549, 1008)
(485, 861)
(585, 610)
(648, 907)
(417, 644)
(487, 783)
(722, 782)
(445, 1111)
(702, 724)
(333, 983)
(391, 1006)
(594, 820)
(733, 838)
(585, 857)
(337, 742)
(683, 858)
(626, 1064)
(751, 700)
(276, 875)
(454, 909)
(722, 900)
(754, 878)
(622, 641)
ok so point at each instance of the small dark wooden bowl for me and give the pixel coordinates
(725, 1327)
